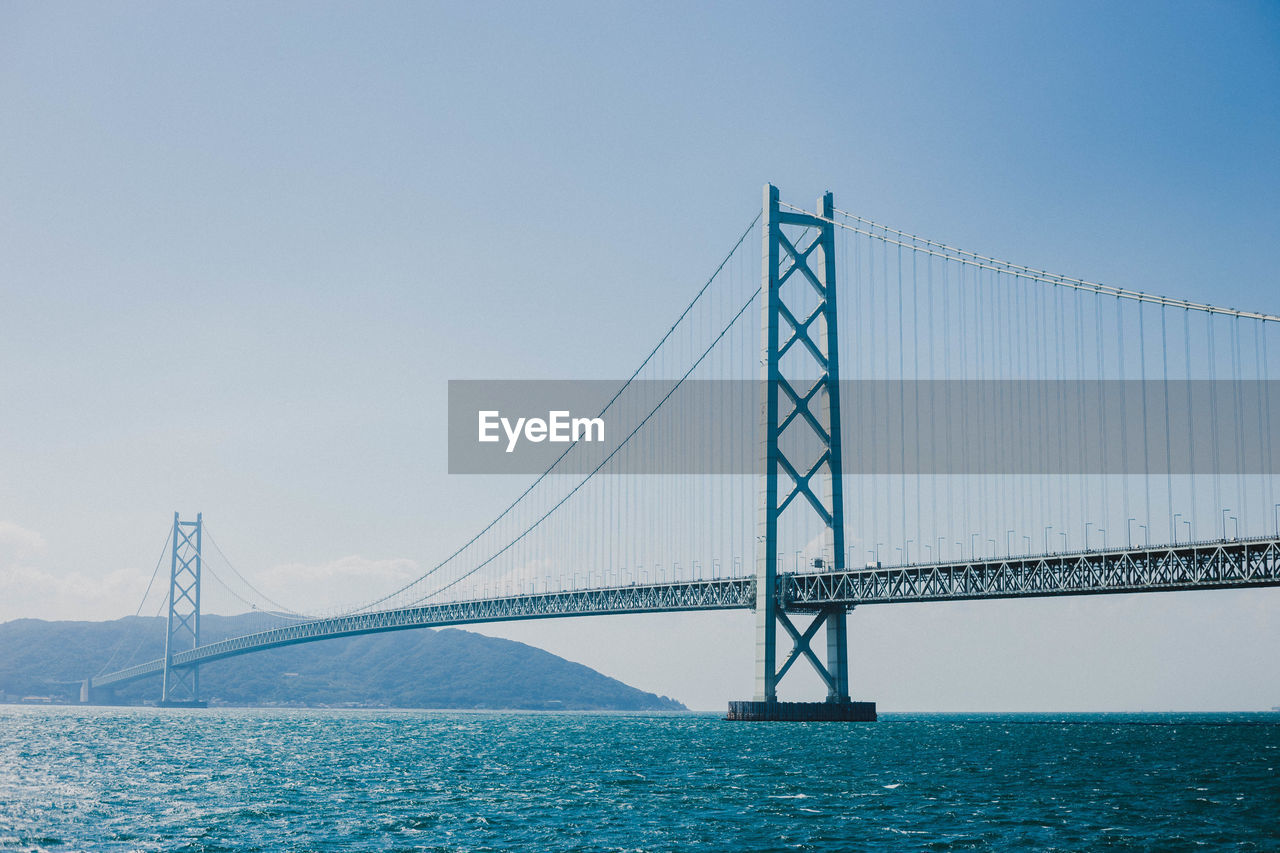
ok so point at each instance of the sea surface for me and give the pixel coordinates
(282, 780)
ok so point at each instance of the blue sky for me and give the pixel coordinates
(244, 246)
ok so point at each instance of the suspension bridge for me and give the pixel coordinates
(963, 428)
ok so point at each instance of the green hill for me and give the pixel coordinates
(421, 668)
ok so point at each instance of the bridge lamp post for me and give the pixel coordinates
(1102, 531)
(1064, 542)
(1046, 538)
(973, 546)
(871, 557)
(929, 550)
(1028, 538)
(1276, 512)
(1008, 543)
(940, 538)
(1235, 521)
(993, 548)
(1087, 525)
(906, 552)
(898, 548)
(1146, 536)
(1176, 516)
(1128, 531)
(1188, 524)
(1224, 524)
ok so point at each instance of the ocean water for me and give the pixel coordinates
(282, 780)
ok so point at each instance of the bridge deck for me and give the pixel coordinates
(1200, 565)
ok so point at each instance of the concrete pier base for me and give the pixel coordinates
(803, 712)
(96, 695)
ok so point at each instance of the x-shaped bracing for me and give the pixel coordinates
(800, 332)
(800, 261)
(802, 486)
(801, 647)
(800, 407)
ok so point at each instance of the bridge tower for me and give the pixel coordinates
(799, 329)
(181, 687)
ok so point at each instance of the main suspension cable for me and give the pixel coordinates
(755, 294)
(942, 250)
(648, 358)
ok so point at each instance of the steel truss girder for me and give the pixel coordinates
(1202, 565)
(722, 594)
(1197, 566)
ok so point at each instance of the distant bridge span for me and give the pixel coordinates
(1196, 566)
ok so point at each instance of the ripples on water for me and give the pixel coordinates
(146, 779)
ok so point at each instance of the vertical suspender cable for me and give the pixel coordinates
(1213, 415)
(1168, 432)
(1191, 431)
(1146, 456)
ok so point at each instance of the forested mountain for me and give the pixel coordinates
(421, 668)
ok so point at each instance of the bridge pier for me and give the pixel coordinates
(90, 695)
(803, 712)
(812, 406)
(835, 672)
(180, 687)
